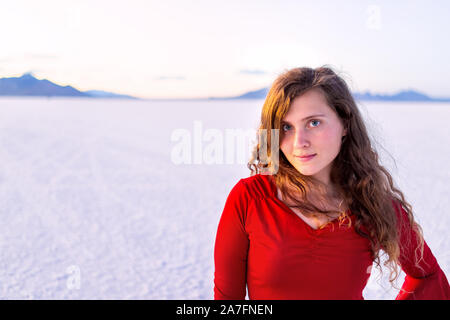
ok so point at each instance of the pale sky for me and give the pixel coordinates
(196, 49)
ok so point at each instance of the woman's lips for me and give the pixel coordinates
(306, 158)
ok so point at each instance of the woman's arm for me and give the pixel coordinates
(425, 280)
(230, 251)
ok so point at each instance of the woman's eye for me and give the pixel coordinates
(318, 121)
(285, 127)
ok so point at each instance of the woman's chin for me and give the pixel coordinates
(306, 171)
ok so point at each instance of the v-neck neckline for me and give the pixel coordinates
(287, 208)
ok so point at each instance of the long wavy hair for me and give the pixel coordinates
(366, 186)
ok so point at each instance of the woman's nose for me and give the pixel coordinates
(301, 140)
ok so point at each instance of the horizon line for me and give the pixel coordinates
(367, 91)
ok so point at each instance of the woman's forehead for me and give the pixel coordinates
(308, 105)
(310, 97)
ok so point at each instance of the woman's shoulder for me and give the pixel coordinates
(259, 185)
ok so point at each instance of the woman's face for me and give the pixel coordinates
(311, 127)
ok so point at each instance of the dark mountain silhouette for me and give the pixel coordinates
(405, 95)
(28, 85)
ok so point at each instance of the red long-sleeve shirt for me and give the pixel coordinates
(262, 244)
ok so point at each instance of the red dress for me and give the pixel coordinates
(262, 244)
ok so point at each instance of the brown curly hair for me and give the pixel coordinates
(366, 186)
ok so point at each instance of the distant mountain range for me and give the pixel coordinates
(28, 85)
(405, 95)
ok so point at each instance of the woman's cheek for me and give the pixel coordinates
(328, 137)
(284, 144)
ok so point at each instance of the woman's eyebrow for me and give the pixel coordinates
(308, 117)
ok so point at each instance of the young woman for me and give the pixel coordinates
(313, 227)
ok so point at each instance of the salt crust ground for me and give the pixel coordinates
(94, 208)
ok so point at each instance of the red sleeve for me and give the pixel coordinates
(426, 282)
(230, 251)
